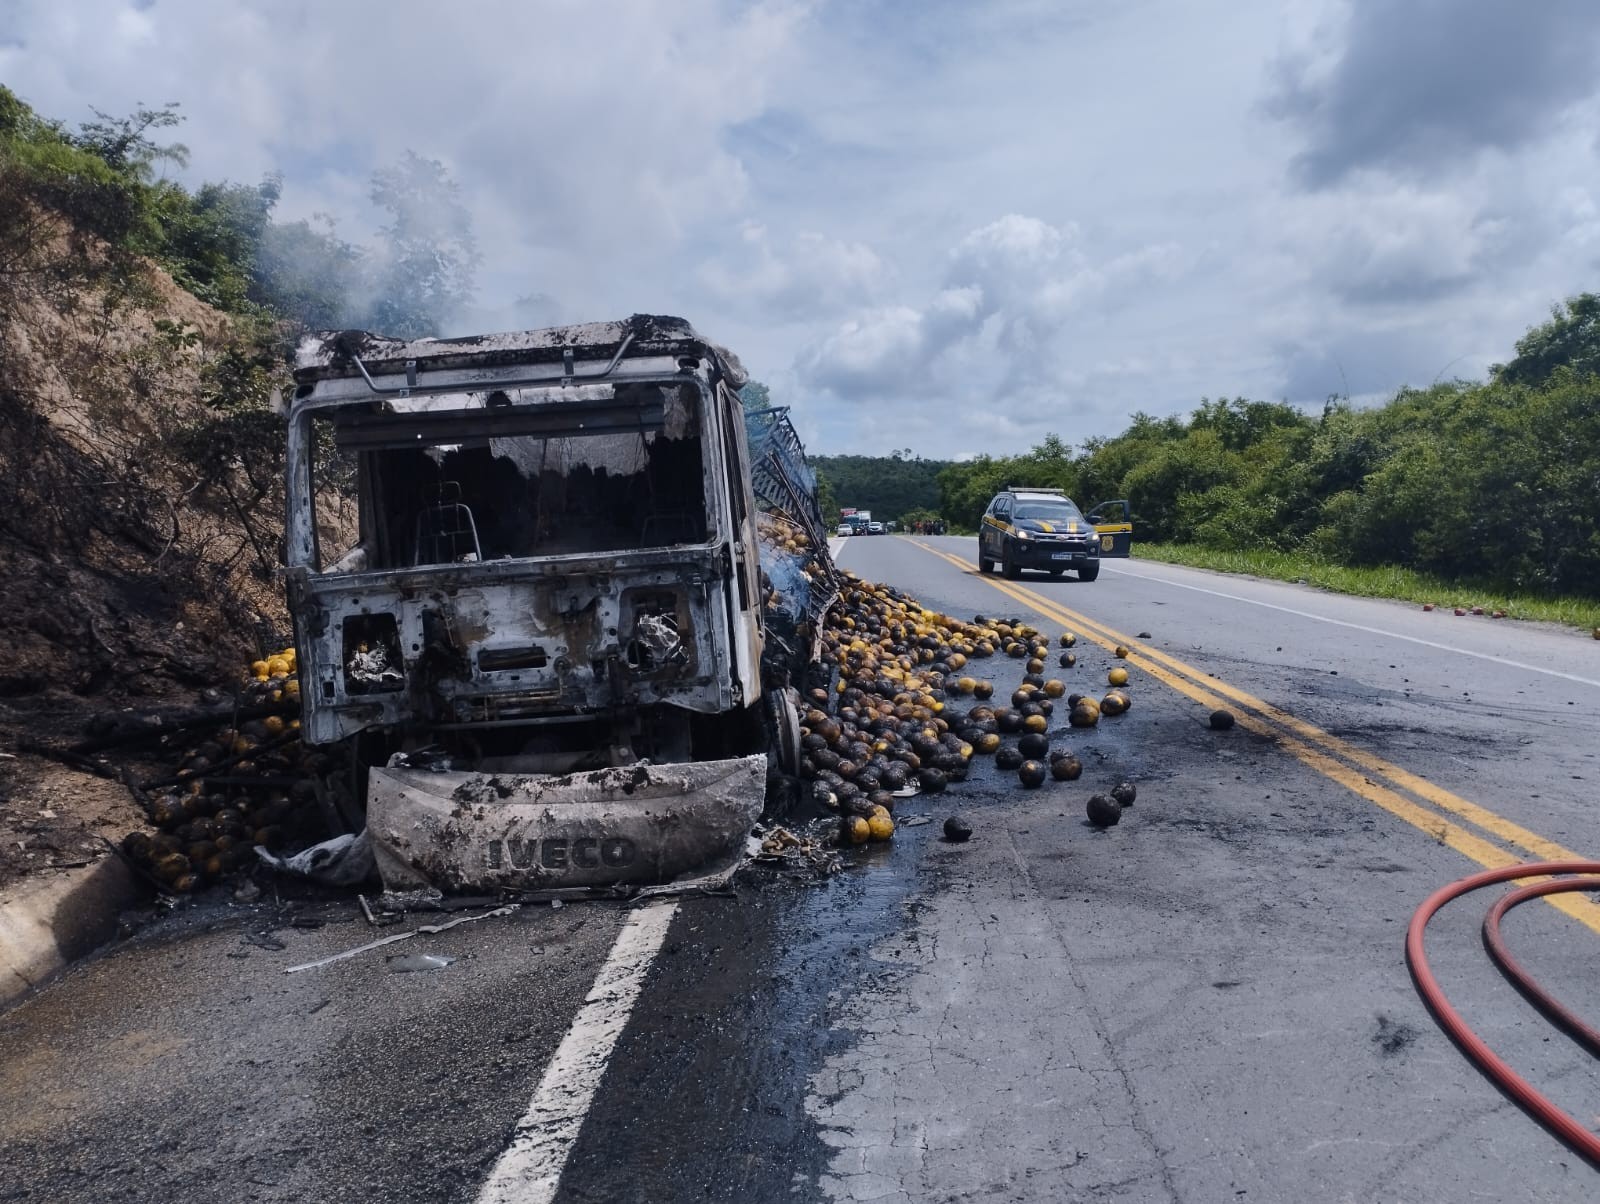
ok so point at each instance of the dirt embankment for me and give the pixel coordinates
(140, 520)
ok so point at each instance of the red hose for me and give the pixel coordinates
(1533, 1102)
(1564, 1019)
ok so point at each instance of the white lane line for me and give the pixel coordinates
(1394, 635)
(530, 1169)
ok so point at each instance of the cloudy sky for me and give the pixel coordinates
(951, 227)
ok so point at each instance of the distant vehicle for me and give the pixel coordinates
(891, 527)
(845, 529)
(1037, 529)
(874, 528)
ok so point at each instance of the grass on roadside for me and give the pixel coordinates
(1385, 581)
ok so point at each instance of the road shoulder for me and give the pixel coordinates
(48, 922)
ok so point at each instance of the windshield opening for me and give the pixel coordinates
(1056, 510)
(437, 491)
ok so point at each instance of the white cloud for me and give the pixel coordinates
(1395, 244)
(955, 233)
(1011, 242)
(1013, 291)
(577, 130)
(803, 276)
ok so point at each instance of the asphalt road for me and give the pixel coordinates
(1207, 1002)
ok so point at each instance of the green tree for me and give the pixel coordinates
(1241, 424)
(966, 487)
(827, 501)
(45, 168)
(886, 485)
(124, 144)
(212, 240)
(1571, 339)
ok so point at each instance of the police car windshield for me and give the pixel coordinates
(1053, 510)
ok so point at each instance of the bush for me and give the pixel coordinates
(1497, 482)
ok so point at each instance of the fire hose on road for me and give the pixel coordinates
(1570, 1131)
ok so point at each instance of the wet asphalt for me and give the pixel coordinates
(1207, 1002)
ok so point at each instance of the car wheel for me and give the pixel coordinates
(1008, 568)
(985, 565)
(1088, 572)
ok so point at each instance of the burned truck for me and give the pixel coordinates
(544, 653)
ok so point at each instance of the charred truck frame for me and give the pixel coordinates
(545, 650)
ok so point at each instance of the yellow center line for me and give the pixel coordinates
(1465, 842)
(1489, 821)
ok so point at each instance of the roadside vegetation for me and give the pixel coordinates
(901, 487)
(146, 328)
(102, 194)
(1487, 489)
(1375, 581)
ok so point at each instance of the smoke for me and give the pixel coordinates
(416, 275)
(785, 571)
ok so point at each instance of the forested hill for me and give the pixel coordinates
(1495, 481)
(892, 486)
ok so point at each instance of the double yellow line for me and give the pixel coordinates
(1338, 760)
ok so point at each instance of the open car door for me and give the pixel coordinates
(1114, 523)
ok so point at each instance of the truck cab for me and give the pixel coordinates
(556, 575)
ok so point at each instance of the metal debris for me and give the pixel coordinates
(343, 861)
(371, 667)
(658, 636)
(418, 962)
(811, 851)
(428, 929)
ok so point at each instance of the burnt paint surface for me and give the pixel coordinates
(630, 824)
(581, 620)
(331, 354)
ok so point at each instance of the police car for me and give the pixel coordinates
(1026, 528)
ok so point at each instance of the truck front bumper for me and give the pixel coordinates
(639, 824)
(1038, 554)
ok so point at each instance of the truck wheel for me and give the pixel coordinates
(783, 714)
(1008, 567)
(1088, 572)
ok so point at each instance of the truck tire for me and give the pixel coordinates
(783, 716)
(1008, 567)
(1088, 572)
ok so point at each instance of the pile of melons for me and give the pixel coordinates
(892, 723)
(245, 784)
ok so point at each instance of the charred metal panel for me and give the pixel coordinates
(362, 431)
(496, 582)
(330, 355)
(479, 643)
